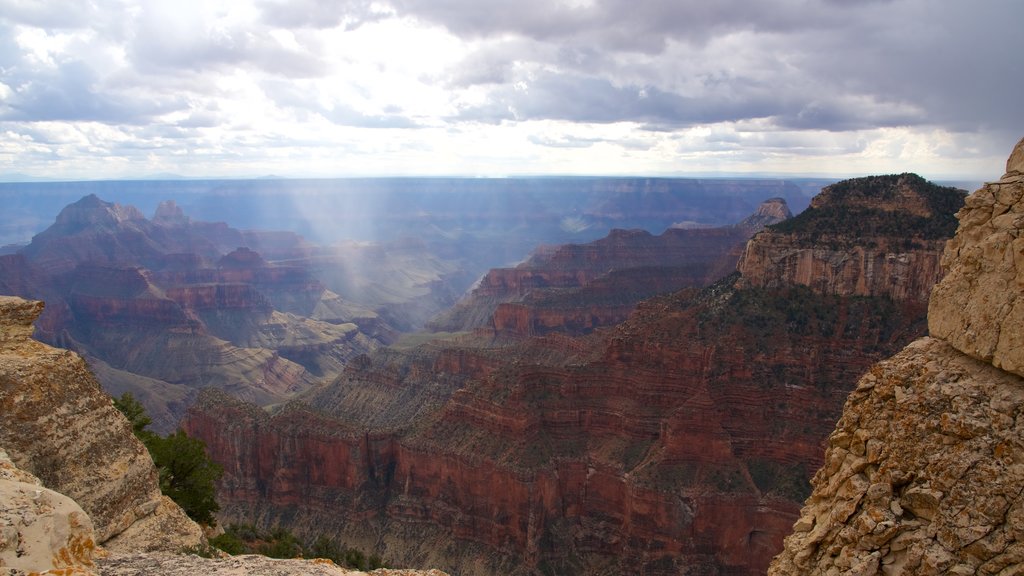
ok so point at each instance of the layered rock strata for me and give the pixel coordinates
(679, 441)
(576, 288)
(58, 425)
(163, 307)
(875, 236)
(923, 472)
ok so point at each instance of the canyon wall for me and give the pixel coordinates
(678, 441)
(875, 236)
(576, 288)
(923, 472)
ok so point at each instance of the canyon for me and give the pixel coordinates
(576, 288)
(165, 306)
(923, 471)
(680, 440)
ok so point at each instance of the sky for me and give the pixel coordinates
(306, 88)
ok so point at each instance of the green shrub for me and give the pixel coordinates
(187, 475)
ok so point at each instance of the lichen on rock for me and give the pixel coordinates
(40, 529)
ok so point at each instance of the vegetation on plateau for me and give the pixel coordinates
(851, 216)
(280, 543)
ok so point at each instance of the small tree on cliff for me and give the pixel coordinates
(187, 475)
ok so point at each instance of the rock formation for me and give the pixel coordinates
(77, 478)
(41, 529)
(923, 472)
(679, 441)
(875, 236)
(979, 307)
(577, 288)
(59, 426)
(165, 306)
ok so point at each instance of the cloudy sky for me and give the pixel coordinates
(128, 88)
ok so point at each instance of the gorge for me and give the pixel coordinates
(679, 440)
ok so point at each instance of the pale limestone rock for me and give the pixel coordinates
(1015, 163)
(247, 565)
(40, 529)
(937, 500)
(167, 523)
(978, 306)
(58, 425)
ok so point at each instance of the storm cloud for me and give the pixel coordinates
(470, 86)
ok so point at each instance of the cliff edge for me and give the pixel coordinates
(924, 471)
(60, 427)
(873, 236)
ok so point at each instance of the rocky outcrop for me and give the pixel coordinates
(247, 565)
(923, 472)
(41, 529)
(876, 236)
(979, 306)
(58, 425)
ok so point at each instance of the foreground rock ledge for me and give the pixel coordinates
(978, 307)
(924, 474)
(56, 424)
(247, 565)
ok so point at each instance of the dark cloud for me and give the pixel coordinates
(618, 24)
(827, 65)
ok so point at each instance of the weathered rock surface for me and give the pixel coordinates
(979, 305)
(875, 236)
(247, 565)
(923, 473)
(41, 529)
(924, 470)
(58, 425)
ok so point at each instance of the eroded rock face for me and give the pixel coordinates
(58, 425)
(40, 529)
(875, 236)
(923, 473)
(979, 305)
(680, 441)
(576, 288)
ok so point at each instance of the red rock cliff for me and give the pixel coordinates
(876, 236)
(680, 441)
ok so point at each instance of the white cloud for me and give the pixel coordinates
(118, 88)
